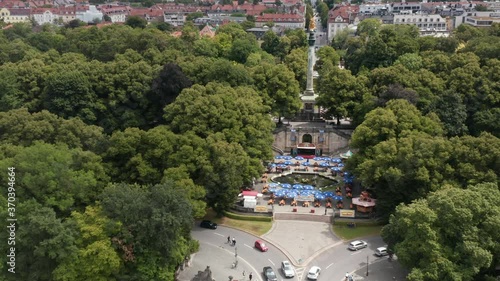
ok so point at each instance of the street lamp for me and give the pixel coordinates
(367, 265)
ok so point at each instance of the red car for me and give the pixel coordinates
(259, 244)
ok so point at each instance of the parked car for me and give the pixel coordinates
(269, 274)
(313, 273)
(358, 244)
(259, 244)
(381, 251)
(208, 224)
(287, 269)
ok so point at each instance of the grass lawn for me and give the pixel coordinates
(255, 227)
(347, 233)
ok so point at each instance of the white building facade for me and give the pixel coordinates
(90, 15)
(423, 22)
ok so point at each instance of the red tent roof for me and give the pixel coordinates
(249, 193)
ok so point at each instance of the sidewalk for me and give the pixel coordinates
(221, 259)
(382, 270)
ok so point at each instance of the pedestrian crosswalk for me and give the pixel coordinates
(299, 272)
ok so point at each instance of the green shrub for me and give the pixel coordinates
(247, 218)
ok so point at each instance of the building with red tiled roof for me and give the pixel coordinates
(246, 8)
(149, 14)
(340, 17)
(172, 8)
(44, 15)
(54, 15)
(291, 21)
(207, 31)
(15, 15)
(116, 13)
(13, 4)
(41, 3)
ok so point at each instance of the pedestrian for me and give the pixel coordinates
(325, 211)
(234, 241)
(250, 276)
(229, 240)
(243, 274)
(347, 276)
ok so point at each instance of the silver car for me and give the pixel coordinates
(358, 244)
(287, 268)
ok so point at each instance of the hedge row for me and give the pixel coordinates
(358, 223)
(247, 218)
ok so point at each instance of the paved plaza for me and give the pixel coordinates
(301, 240)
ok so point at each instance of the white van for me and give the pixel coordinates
(382, 251)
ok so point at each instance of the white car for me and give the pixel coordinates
(313, 273)
(381, 251)
(287, 269)
(358, 244)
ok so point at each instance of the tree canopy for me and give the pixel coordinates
(450, 235)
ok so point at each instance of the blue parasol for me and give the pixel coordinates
(337, 160)
(299, 158)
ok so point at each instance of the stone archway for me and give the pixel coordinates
(307, 138)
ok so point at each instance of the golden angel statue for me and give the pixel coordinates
(312, 24)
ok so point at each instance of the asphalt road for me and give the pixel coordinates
(214, 248)
(338, 260)
(334, 261)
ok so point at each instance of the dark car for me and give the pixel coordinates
(269, 274)
(208, 224)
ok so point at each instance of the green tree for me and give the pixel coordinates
(369, 27)
(193, 16)
(325, 54)
(466, 32)
(242, 48)
(248, 24)
(42, 241)
(339, 91)
(96, 258)
(279, 89)
(54, 175)
(239, 113)
(298, 38)
(229, 171)
(10, 92)
(156, 222)
(475, 159)
(296, 61)
(405, 169)
(136, 22)
(69, 94)
(452, 113)
(270, 43)
(166, 87)
(206, 47)
(398, 119)
(24, 129)
(450, 235)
